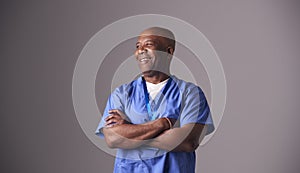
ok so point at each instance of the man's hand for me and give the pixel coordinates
(116, 117)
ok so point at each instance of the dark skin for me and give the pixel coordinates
(120, 133)
(153, 54)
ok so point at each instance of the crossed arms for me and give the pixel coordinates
(120, 133)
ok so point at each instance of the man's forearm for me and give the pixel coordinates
(185, 139)
(129, 136)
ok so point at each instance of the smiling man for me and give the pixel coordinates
(157, 121)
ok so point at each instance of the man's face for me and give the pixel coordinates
(151, 54)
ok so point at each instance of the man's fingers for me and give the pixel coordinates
(120, 113)
(110, 122)
(113, 119)
(117, 111)
(111, 116)
(114, 111)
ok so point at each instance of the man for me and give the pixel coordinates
(157, 121)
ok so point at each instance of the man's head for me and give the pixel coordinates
(154, 49)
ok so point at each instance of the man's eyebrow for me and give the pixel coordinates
(150, 40)
(146, 41)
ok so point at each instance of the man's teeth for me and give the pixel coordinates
(144, 59)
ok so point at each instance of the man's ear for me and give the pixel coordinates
(170, 50)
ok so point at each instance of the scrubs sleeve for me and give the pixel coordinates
(114, 102)
(196, 109)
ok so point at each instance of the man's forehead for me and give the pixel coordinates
(157, 32)
(149, 37)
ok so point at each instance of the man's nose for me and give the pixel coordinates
(142, 50)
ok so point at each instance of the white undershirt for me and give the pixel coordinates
(153, 89)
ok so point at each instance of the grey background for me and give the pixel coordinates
(257, 42)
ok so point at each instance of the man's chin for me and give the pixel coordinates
(149, 73)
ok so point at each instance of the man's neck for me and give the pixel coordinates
(155, 77)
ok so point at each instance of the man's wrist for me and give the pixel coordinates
(170, 123)
(164, 123)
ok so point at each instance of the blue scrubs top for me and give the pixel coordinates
(178, 99)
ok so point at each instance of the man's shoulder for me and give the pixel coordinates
(127, 87)
(185, 85)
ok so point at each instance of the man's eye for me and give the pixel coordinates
(149, 44)
(137, 46)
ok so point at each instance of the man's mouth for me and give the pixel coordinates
(144, 59)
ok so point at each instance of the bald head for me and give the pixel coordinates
(167, 35)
